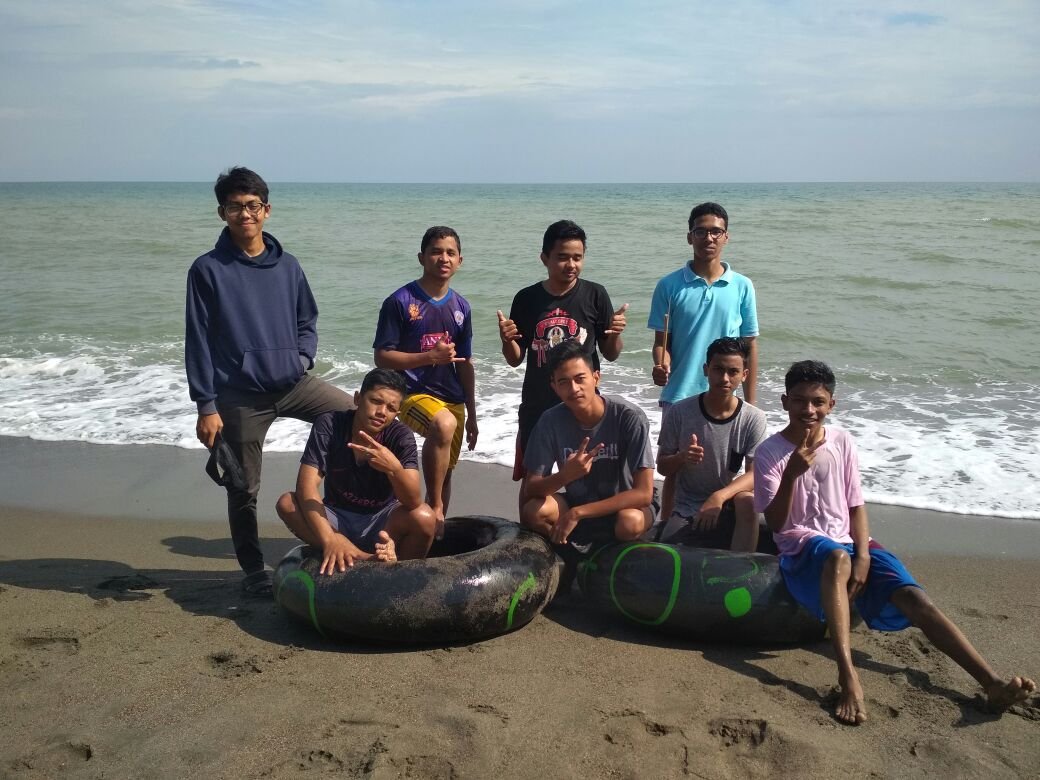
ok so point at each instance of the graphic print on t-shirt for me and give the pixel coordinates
(557, 327)
(428, 341)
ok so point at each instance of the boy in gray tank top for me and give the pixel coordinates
(709, 442)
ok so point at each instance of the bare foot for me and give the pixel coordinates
(850, 708)
(1001, 695)
(386, 550)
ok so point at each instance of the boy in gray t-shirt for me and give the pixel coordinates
(706, 440)
(601, 446)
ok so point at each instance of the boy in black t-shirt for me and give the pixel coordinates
(557, 309)
(373, 509)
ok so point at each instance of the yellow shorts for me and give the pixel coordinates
(417, 410)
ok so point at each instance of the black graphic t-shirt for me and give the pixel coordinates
(356, 487)
(545, 321)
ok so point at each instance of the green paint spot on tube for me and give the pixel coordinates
(738, 602)
(525, 586)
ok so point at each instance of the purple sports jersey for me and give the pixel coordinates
(412, 321)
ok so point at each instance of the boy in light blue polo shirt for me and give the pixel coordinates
(700, 302)
(704, 300)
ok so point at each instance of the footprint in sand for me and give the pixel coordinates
(740, 731)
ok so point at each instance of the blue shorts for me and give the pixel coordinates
(362, 529)
(802, 574)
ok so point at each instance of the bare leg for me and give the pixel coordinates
(745, 528)
(834, 588)
(668, 496)
(436, 455)
(410, 532)
(540, 514)
(632, 523)
(291, 513)
(944, 634)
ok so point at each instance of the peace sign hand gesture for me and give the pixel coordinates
(803, 457)
(579, 462)
(379, 457)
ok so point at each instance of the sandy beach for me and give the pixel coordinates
(127, 651)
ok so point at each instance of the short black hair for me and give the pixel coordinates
(438, 232)
(384, 377)
(564, 230)
(570, 349)
(728, 345)
(812, 371)
(708, 208)
(240, 180)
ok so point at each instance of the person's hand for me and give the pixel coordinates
(565, 525)
(661, 373)
(207, 427)
(803, 457)
(339, 554)
(694, 453)
(708, 517)
(472, 431)
(579, 462)
(443, 352)
(617, 322)
(860, 571)
(507, 329)
(378, 457)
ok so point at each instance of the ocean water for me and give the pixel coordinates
(922, 297)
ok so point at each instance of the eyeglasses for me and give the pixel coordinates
(234, 209)
(715, 232)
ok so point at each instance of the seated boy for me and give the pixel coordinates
(601, 446)
(705, 440)
(561, 307)
(426, 331)
(807, 484)
(372, 508)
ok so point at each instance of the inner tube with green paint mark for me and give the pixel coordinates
(486, 577)
(697, 593)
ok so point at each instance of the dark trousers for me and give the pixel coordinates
(247, 417)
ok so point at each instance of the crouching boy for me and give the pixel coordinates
(807, 483)
(368, 460)
(601, 446)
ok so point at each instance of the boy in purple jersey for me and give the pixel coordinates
(557, 309)
(807, 483)
(426, 331)
(372, 508)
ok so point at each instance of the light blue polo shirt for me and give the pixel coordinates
(700, 313)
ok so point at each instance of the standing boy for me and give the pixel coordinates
(426, 330)
(807, 482)
(693, 306)
(372, 507)
(250, 338)
(601, 446)
(548, 313)
(705, 442)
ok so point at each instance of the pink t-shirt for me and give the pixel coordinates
(822, 497)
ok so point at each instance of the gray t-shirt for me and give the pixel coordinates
(726, 443)
(623, 429)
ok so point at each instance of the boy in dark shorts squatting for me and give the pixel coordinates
(372, 508)
(560, 308)
(250, 338)
(705, 441)
(807, 483)
(425, 330)
(601, 446)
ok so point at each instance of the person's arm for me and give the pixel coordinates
(639, 496)
(403, 481)
(468, 380)
(577, 466)
(801, 461)
(662, 360)
(198, 363)
(751, 383)
(860, 530)
(512, 350)
(670, 464)
(338, 552)
(442, 354)
(306, 324)
(610, 343)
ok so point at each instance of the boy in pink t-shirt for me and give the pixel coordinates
(807, 485)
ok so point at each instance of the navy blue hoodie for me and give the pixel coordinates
(250, 324)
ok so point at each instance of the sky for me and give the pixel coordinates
(532, 91)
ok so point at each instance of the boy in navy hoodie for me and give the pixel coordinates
(250, 338)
